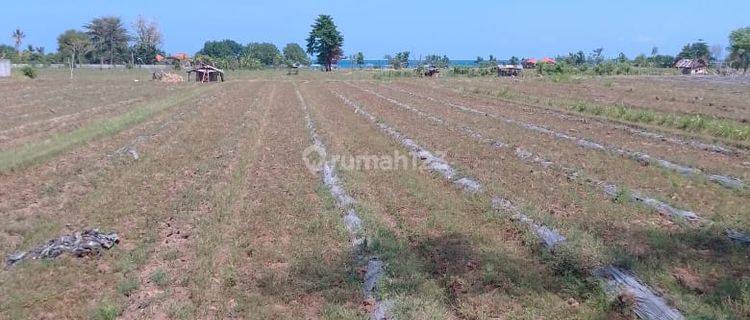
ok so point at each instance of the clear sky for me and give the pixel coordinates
(459, 29)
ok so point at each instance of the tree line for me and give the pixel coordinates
(104, 40)
(230, 54)
(324, 42)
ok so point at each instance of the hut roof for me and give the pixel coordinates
(548, 60)
(690, 64)
(205, 68)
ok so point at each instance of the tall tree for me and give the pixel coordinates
(622, 57)
(360, 58)
(267, 53)
(438, 61)
(293, 53)
(400, 60)
(325, 41)
(739, 48)
(73, 44)
(108, 36)
(596, 56)
(698, 50)
(18, 37)
(225, 49)
(148, 40)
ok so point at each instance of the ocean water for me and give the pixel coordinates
(384, 63)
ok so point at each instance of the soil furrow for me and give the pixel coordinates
(590, 130)
(648, 305)
(607, 188)
(432, 234)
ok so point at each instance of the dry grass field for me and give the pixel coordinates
(429, 204)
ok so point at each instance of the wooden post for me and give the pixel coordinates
(71, 66)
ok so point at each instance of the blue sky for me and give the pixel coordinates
(459, 29)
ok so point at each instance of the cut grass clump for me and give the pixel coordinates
(159, 277)
(127, 286)
(183, 311)
(106, 310)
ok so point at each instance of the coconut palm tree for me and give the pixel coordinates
(18, 37)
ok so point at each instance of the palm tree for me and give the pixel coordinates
(108, 34)
(18, 36)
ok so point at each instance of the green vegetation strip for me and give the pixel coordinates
(36, 151)
(697, 123)
(693, 123)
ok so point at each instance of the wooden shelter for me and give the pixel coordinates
(508, 70)
(529, 63)
(431, 71)
(292, 68)
(692, 66)
(206, 73)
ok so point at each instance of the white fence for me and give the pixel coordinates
(94, 66)
(4, 68)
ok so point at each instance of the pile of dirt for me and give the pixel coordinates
(168, 77)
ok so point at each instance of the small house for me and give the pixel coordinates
(4, 68)
(529, 63)
(508, 70)
(431, 71)
(206, 73)
(548, 60)
(692, 66)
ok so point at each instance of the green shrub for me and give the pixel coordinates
(106, 310)
(471, 72)
(127, 286)
(29, 72)
(160, 278)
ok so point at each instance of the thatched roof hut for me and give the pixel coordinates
(692, 66)
(206, 73)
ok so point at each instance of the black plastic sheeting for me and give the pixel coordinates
(79, 244)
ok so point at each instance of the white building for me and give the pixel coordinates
(4, 68)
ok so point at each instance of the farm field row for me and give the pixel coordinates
(707, 109)
(223, 209)
(708, 95)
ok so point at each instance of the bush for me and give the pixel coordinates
(612, 68)
(472, 72)
(29, 72)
